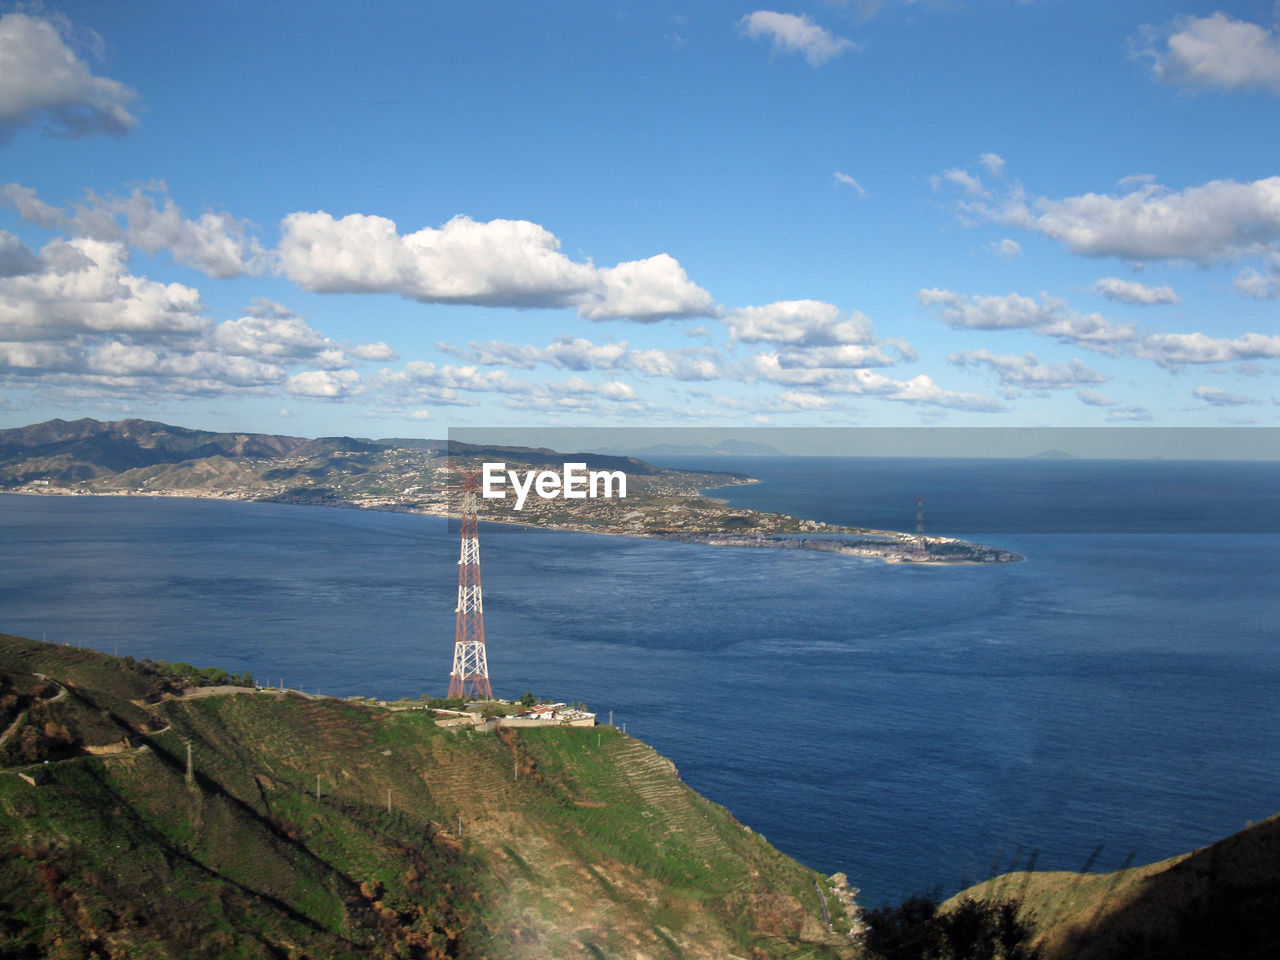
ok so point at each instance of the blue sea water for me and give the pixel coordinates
(911, 726)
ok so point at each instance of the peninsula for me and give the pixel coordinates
(146, 458)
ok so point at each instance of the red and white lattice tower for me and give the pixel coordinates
(470, 676)
(922, 545)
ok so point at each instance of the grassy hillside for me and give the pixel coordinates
(325, 828)
(1222, 901)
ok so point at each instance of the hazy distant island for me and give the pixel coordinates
(146, 458)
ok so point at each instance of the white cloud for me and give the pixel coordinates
(43, 81)
(83, 286)
(963, 179)
(1131, 414)
(1006, 248)
(1256, 285)
(1026, 371)
(1049, 317)
(795, 34)
(1220, 398)
(1129, 291)
(920, 390)
(83, 322)
(1175, 350)
(844, 357)
(217, 243)
(512, 263)
(324, 384)
(994, 163)
(798, 323)
(1094, 399)
(1216, 51)
(420, 382)
(614, 390)
(1052, 318)
(645, 290)
(1221, 219)
(581, 354)
(794, 400)
(849, 182)
(698, 364)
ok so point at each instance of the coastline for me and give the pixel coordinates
(888, 546)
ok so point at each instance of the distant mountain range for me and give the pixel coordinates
(71, 452)
(727, 447)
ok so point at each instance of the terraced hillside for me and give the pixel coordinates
(326, 828)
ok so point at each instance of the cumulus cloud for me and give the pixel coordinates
(216, 243)
(81, 321)
(994, 163)
(1175, 350)
(1094, 399)
(418, 382)
(798, 323)
(792, 33)
(581, 354)
(843, 357)
(645, 290)
(919, 390)
(44, 82)
(323, 384)
(1257, 285)
(83, 286)
(1006, 248)
(511, 263)
(1026, 371)
(1049, 317)
(16, 258)
(1220, 398)
(1129, 291)
(1216, 52)
(1222, 219)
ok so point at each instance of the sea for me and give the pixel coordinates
(1112, 699)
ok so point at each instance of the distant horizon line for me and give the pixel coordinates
(1155, 443)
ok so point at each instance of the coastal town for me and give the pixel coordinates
(421, 476)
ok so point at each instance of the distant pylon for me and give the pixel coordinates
(470, 676)
(922, 545)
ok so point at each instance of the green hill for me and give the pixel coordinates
(1221, 902)
(331, 828)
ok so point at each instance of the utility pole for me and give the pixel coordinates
(317, 786)
(191, 777)
(470, 674)
(388, 801)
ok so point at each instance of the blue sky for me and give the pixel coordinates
(393, 219)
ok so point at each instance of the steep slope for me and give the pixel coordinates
(327, 828)
(83, 449)
(1222, 901)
